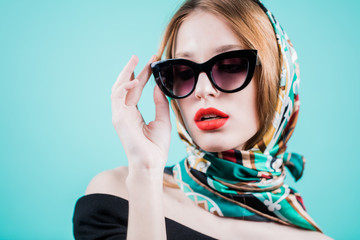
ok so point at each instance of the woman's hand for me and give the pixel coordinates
(146, 145)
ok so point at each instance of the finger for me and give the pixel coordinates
(134, 96)
(146, 72)
(127, 74)
(161, 106)
(123, 114)
(118, 96)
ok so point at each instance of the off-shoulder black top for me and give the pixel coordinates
(104, 216)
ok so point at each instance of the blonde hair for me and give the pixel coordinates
(250, 23)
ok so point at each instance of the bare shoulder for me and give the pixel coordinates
(109, 182)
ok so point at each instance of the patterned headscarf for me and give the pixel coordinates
(249, 184)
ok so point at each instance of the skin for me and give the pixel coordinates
(198, 40)
(147, 145)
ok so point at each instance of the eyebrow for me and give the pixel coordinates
(218, 50)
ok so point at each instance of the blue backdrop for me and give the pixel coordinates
(59, 60)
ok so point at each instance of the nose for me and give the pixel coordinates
(204, 87)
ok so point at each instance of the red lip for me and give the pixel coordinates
(210, 118)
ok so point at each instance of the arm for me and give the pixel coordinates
(279, 231)
(146, 147)
(146, 213)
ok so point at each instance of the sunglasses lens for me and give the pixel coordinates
(230, 74)
(178, 79)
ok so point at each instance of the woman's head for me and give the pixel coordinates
(202, 29)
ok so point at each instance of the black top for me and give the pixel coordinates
(104, 216)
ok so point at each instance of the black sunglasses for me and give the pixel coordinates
(228, 72)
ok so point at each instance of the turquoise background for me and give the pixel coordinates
(59, 60)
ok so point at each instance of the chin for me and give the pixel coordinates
(216, 147)
(219, 142)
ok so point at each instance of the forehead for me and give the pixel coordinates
(203, 35)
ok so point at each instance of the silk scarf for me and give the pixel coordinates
(249, 184)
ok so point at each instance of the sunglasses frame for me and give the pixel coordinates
(250, 54)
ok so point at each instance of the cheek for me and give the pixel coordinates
(246, 104)
(184, 112)
(186, 117)
(252, 100)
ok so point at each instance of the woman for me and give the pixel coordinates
(232, 79)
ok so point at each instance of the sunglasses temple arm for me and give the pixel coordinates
(257, 61)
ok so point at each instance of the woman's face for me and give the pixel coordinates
(200, 37)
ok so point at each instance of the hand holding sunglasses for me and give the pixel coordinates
(154, 137)
(228, 72)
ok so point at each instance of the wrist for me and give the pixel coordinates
(147, 178)
(145, 165)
